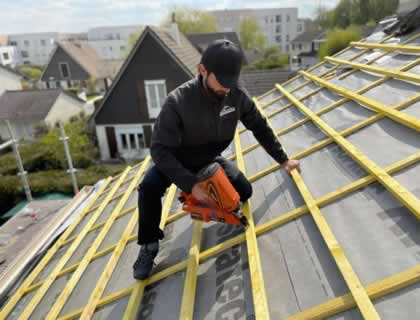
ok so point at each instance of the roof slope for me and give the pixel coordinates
(184, 51)
(307, 36)
(339, 240)
(32, 105)
(259, 81)
(88, 59)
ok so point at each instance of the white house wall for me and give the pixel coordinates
(103, 142)
(64, 108)
(9, 81)
(9, 56)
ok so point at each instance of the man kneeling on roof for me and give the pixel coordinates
(196, 124)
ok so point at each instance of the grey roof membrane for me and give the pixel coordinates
(379, 236)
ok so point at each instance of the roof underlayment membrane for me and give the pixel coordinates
(340, 240)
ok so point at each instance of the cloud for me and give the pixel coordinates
(79, 15)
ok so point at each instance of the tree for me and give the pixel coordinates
(191, 20)
(31, 72)
(272, 58)
(251, 34)
(132, 40)
(338, 39)
(348, 12)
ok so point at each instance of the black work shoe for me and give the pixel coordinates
(144, 263)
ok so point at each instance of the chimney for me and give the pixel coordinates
(174, 30)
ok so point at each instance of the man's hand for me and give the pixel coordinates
(200, 193)
(291, 164)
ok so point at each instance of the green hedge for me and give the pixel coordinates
(339, 39)
(47, 152)
(11, 189)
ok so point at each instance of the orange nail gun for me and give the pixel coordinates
(224, 201)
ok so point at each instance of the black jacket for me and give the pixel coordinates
(193, 128)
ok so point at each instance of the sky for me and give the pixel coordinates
(24, 16)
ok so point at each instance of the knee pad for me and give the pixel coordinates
(244, 187)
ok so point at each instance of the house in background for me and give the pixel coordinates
(304, 49)
(9, 56)
(161, 60)
(25, 109)
(9, 79)
(77, 65)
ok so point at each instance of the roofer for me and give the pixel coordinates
(196, 124)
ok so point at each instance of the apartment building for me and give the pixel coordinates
(279, 25)
(35, 48)
(112, 43)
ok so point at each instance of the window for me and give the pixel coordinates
(26, 43)
(43, 43)
(13, 43)
(278, 38)
(155, 95)
(300, 46)
(124, 143)
(64, 70)
(130, 140)
(6, 56)
(299, 27)
(24, 54)
(58, 84)
(278, 28)
(278, 18)
(140, 138)
(293, 46)
(287, 47)
(287, 37)
(288, 18)
(122, 48)
(110, 48)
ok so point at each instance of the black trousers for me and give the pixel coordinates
(153, 187)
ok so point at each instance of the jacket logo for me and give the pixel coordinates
(226, 110)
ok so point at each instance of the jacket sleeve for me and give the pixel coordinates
(254, 121)
(166, 137)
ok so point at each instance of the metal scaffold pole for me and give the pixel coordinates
(71, 169)
(22, 173)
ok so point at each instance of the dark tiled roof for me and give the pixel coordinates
(32, 105)
(307, 36)
(259, 81)
(253, 55)
(308, 54)
(185, 51)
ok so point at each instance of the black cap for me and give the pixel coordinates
(224, 59)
